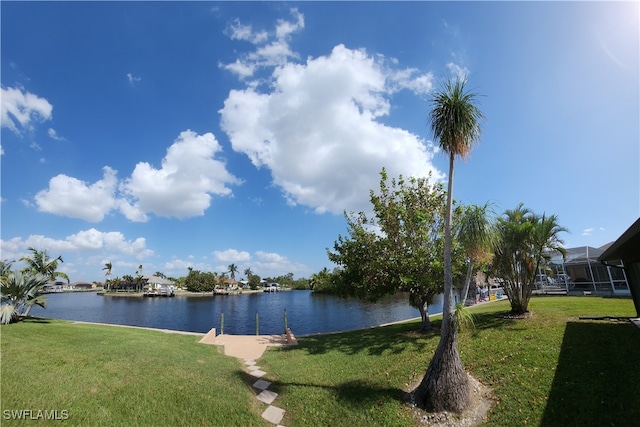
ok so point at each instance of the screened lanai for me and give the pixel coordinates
(581, 272)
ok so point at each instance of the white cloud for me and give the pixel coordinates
(238, 31)
(133, 79)
(272, 48)
(587, 231)
(71, 197)
(19, 109)
(273, 264)
(317, 129)
(183, 186)
(112, 245)
(232, 255)
(458, 71)
(54, 135)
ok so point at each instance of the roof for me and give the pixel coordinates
(158, 280)
(577, 255)
(626, 247)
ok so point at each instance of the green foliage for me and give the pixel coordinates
(197, 281)
(401, 248)
(324, 281)
(455, 118)
(40, 262)
(19, 292)
(464, 318)
(523, 244)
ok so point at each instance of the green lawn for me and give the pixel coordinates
(552, 369)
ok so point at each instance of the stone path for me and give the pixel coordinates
(250, 348)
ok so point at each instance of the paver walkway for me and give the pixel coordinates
(250, 348)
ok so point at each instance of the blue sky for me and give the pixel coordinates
(174, 135)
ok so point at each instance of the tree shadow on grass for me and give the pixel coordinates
(392, 339)
(356, 394)
(597, 380)
(31, 319)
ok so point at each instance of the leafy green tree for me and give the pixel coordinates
(40, 262)
(476, 234)
(19, 292)
(400, 249)
(324, 281)
(455, 123)
(524, 243)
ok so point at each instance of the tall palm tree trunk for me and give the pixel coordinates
(467, 283)
(445, 386)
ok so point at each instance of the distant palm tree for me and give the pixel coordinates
(476, 234)
(108, 266)
(248, 273)
(455, 123)
(40, 262)
(233, 269)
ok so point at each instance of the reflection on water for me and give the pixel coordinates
(307, 313)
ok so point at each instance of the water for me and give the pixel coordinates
(307, 313)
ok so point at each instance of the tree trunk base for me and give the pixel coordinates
(482, 400)
(445, 386)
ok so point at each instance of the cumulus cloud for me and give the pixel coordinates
(270, 264)
(19, 109)
(182, 187)
(317, 128)
(232, 255)
(71, 197)
(112, 244)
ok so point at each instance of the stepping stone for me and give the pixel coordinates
(254, 368)
(267, 396)
(261, 384)
(249, 362)
(273, 414)
(257, 373)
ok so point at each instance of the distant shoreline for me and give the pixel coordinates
(179, 293)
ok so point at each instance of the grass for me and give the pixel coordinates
(552, 369)
(108, 376)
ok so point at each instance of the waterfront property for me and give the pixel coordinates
(157, 286)
(581, 273)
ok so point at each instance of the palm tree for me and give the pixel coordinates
(525, 242)
(476, 234)
(107, 266)
(20, 291)
(39, 262)
(455, 123)
(233, 269)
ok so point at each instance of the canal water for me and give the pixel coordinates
(306, 313)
